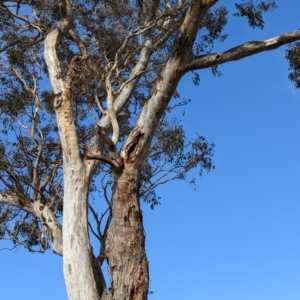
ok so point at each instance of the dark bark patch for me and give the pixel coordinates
(125, 220)
(72, 241)
(134, 147)
(70, 269)
(21, 201)
(178, 72)
(97, 274)
(57, 100)
(133, 215)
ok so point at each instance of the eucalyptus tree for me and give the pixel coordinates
(102, 134)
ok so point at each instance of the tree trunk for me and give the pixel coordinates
(125, 244)
(82, 275)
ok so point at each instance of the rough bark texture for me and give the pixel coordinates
(125, 245)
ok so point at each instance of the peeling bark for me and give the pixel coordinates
(125, 244)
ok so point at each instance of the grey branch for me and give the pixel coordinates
(43, 212)
(242, 51)
(17, 201)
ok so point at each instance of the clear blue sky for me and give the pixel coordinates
(236, 237)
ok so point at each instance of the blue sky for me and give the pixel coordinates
(236, 234)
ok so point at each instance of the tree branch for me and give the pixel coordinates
(51, 42)
(41, 211)
(34, 126)
(17, 201)
(241, 51)
(10, 170)
(166, 82)
(39, 28)
(114, 164)
(111, 95)
(120, 101)
(124, 96)
(73, 36)
(62, 88)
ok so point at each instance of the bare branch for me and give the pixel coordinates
(124, 84)
(122, 98)
(9, 169)
(15, 15)
(94, 233)
(110, 93)
(73, 36)
(17, 201)
(99, 104)
(125, 94)
(104, 187)
(49, 220)
(242, 51)
(114, 164)
(51, 175)
(111, 110)
(20, 243)
(168, 79)
(41, 211)
(34, 126)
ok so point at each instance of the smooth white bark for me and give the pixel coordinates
(78, 263)
(79, 277)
